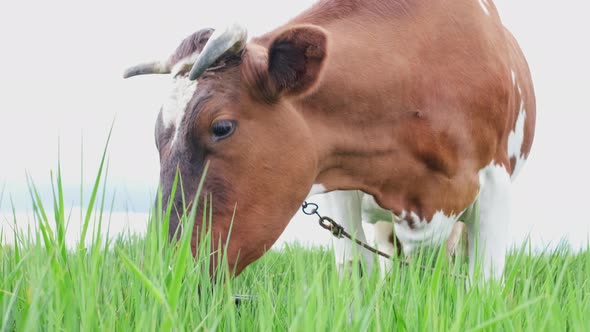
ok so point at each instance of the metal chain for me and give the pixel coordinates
(336, 229)
(311, 209)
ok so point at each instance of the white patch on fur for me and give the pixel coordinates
(423, 233)
(316, 189)
(174, 109)
(490, 237)
(513, 77)
(484, 5)
(516, 138)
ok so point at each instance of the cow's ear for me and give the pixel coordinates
(291, 66)
(296, 58)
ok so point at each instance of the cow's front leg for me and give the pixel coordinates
(457, 241)
(345, 209)
(382, 221)
(386, 243)
(489, 235)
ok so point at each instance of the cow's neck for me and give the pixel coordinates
(355, 115)
(357, 148)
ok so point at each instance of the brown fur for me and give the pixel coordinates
(405, 100)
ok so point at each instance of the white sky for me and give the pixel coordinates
(61, 78)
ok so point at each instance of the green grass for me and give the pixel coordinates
(146, 284)
(143, 285)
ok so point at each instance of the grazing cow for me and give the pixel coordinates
(428, 106)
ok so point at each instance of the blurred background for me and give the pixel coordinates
(61, 86)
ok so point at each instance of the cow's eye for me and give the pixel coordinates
(222, 129)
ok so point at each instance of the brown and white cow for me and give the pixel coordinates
(426, 105)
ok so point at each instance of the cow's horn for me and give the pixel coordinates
(158, 67)
(233, 39)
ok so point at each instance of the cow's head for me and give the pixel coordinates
(234, 106)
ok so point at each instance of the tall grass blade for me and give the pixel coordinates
(91, 202)
(151, 287)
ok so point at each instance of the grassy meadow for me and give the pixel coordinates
(147, 284)
(144, 285)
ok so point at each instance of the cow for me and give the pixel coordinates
(428, 106)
